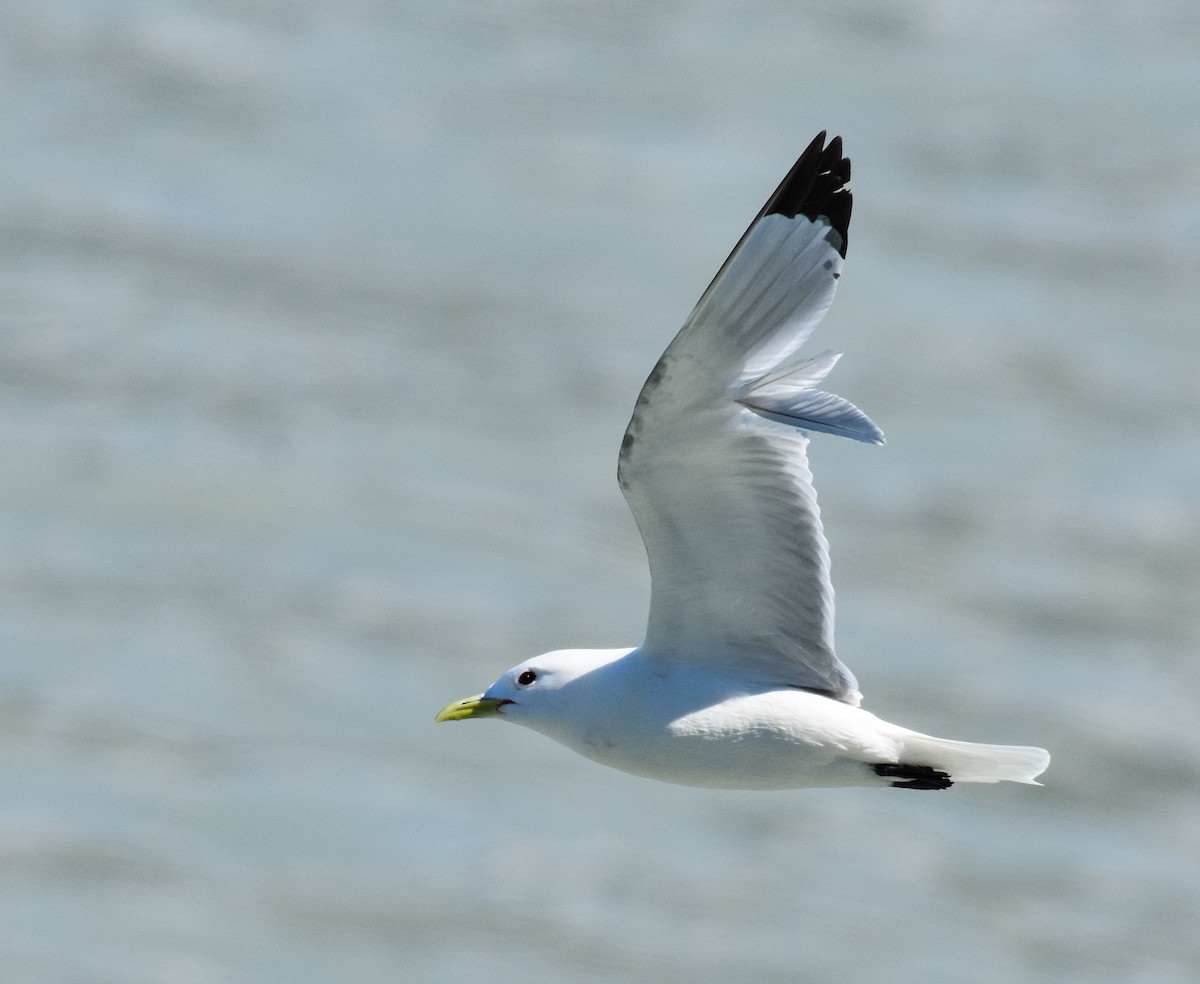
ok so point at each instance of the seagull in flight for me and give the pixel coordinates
(736, 684)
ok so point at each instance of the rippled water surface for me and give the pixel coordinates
(319, 326)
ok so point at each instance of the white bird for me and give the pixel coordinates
(736, 684)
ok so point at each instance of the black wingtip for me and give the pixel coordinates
(816, 187)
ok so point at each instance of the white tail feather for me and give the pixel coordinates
(967, 761)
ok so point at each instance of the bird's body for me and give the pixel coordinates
(736, 684)
(631, 710)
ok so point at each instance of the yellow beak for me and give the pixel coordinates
(471, 707)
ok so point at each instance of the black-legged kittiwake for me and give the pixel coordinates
(736, 684)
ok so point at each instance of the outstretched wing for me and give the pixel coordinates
(714, 464)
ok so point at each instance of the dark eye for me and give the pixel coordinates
(526, 678)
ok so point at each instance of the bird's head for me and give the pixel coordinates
(536, 688)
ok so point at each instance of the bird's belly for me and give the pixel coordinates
(775, 740)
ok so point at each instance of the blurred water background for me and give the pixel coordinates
(319, 327)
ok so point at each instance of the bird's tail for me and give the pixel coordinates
(965, 761)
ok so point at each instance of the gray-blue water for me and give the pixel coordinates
(319, 326)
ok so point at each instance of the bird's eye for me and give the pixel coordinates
(526, 678)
